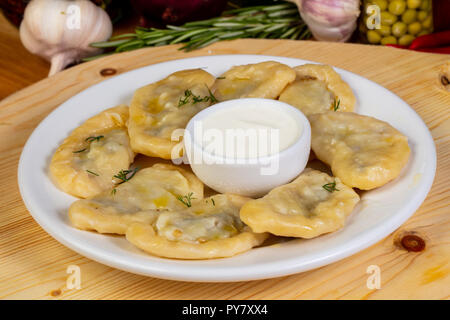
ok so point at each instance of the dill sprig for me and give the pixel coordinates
(275, 21)
(188, 96)
(330, 187)
(91, 172)
(336, 104)
(125, 175)
(187, 199)
(89, 140)
(92, 138)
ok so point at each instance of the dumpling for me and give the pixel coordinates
(208, 229)
(260, 80)
(362, 151)
(318, 88)
(313, 204)
(87, 160)
(140, 199)
(159, 108)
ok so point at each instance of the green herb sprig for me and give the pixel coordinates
(330, 187)
(125, 175)
(276, 21)
(187, 199)
(89, 140)
(92, 172)
(336, 104)
(188, 96)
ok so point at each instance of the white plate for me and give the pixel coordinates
(378, 214)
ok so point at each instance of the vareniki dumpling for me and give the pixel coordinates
(318, 88)
(313, 204)
(363, 152)
(259, 80)
(159, 108)
(208, 229)
(141, 198)
(86, 162)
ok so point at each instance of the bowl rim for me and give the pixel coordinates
(300, 118)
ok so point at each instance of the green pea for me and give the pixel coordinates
(413, 4)
(427, 23)
(373, 37)
(397, 7)
(384, 31)
(388, 40)
(414, 28)
(422, 15)
(387, 18)
(405, 40)
(399, 28)
(425, 5)
(409, 16)
(381, 3)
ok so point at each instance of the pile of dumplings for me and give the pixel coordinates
(165, 210)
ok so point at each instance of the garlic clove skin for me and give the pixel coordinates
(60, 31)
(329, 20)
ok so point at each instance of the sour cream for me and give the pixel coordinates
(247, 146)
(247, 130)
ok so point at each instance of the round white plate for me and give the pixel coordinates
(378, 214)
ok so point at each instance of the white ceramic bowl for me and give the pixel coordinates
(251, 177)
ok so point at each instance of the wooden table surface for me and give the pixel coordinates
(33, 264)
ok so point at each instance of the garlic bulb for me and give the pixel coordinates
(329, 20)
(60, 31)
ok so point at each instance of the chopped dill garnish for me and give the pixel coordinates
(91, 172)
(220, 78)
(113, 191)
(188, 96)
(91, 139)
(126, 175)
(79, 151)
(336, 104)
(213, 202)
(330, 187)
(211, 97)
(186, 200)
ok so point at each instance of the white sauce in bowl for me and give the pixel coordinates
(247, 131)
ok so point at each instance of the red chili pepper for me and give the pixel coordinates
(443, 50)
(431, 40)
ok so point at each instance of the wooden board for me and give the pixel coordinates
(33, 265)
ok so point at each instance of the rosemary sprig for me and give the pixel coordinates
(277, 21)
(330, 187)
(125, 175)
(186, 199)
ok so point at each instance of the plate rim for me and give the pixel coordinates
(375, 235)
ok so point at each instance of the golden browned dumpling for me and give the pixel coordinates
(259, 80)
(159, 108)
(362, 151)
(87, 160)
(313, 204)
(146, 194)
(318, 88)
(208, 229)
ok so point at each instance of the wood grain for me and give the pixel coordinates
(33, 265)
